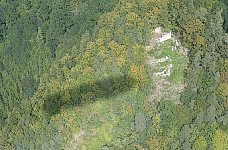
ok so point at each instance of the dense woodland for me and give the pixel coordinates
(56, 55)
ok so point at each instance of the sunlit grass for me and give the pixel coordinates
(178, 61)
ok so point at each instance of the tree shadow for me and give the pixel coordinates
(88, 93)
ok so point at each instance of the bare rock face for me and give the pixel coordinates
(140, 122)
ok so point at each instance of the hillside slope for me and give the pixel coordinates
(81, 74)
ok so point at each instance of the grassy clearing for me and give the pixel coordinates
(178, 61)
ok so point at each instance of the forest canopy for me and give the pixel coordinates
(74, 74)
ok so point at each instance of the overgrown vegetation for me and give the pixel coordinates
(74, 75)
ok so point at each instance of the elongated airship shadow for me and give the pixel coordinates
(88, 93)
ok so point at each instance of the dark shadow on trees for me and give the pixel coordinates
(89, 93)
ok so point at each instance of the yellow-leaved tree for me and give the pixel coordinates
(220, 140)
